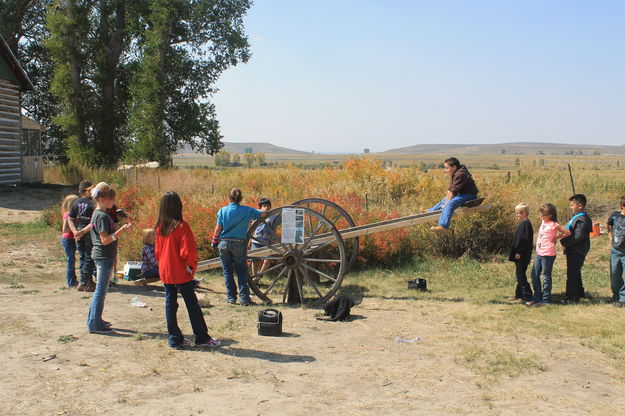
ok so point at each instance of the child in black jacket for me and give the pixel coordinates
(576, 246)
(521, 252)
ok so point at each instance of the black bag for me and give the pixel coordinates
(339, 308)
(269, 323)
(419, 284)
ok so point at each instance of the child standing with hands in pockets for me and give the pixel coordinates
(549, 233)
(175, 251)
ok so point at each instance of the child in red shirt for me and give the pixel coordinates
(68, 243)
(176, 253)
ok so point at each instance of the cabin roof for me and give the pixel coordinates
(15, 66)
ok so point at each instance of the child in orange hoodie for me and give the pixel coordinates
(177, 262)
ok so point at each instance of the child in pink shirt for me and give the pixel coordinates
(68, 243)
(549, 233)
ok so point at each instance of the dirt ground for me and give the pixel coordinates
(52, 366)
(24, 203)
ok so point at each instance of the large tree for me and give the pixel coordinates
(187, 44)
(22, 25)
(134, 78)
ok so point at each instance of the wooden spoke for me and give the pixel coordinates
(312, 283)
(286, 286)
(278, 239)
(324, 260)
(299, 286)
(265, 244)
(254, 258)
(310, 224)
(313, 235)
(267, 271)
(320, 273)
(319, 247)
(274, 281)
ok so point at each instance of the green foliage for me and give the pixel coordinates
(186, 46)
(223, 158)
(132, 78)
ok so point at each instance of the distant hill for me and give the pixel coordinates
(255, 147)
(522, 148)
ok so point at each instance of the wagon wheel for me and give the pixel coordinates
(340, 219)
(311, 270)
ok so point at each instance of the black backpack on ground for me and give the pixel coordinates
(339, 308)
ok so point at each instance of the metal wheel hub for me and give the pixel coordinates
(293, 259)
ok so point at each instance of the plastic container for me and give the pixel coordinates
(132, 270)
(596, 229)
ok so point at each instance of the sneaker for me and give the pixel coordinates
(247, 303)
(231, 301)
(619, 304)
(184, 343)
(90, 287)
(535, 304)
(213, 342)
(439, 229)
(81, 287)
(105, 330)
(513, 298)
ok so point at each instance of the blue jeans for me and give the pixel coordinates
(94, 319)
(151, 272)
(69, 246)
(233, 259)
(87, 267)
(543, 265)
(193, 308)
(617, 261)
(455, 202)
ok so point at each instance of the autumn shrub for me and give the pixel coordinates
(369, 192)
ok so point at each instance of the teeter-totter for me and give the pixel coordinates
(313, 269)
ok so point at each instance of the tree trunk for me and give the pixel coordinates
(113, 47)
(76, 77)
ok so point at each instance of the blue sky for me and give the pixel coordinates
(343, 75)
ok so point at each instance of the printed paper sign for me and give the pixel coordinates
(292, 226)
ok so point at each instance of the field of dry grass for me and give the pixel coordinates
(478, 353)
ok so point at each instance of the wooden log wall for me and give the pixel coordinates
(10, 134)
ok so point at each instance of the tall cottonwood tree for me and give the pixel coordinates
(133, 78)
(184, 49)
(87, 42)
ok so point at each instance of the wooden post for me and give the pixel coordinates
(508, 177)
(571, 176)
(366, 201)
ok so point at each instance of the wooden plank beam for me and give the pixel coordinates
(358, 231)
